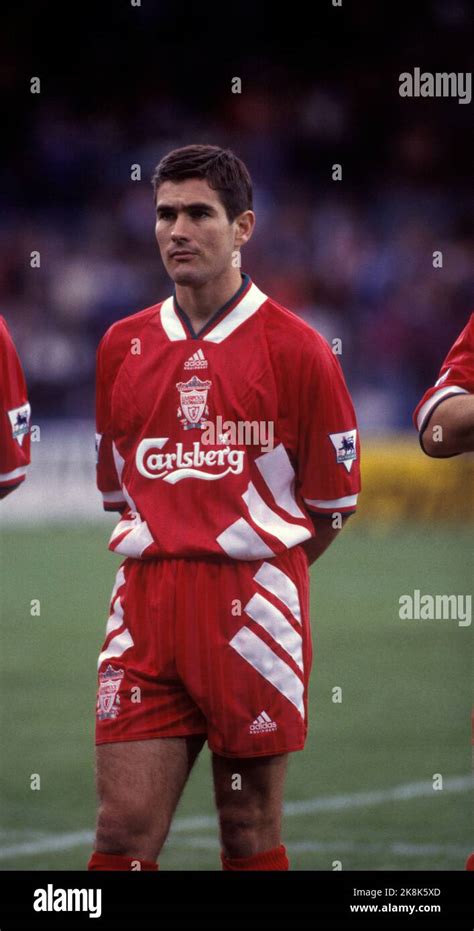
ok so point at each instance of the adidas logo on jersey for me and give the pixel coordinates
(196, 361)
(262, 724)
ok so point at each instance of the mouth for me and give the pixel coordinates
(180, 256)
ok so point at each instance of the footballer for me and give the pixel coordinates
(444, 417)
(16, 415)
(208, 636)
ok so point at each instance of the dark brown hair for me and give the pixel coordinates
(223, 171)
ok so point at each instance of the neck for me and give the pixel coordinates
(201, 303)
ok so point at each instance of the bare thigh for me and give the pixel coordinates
(139, 784)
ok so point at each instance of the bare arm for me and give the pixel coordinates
(450, 429)
(325, 534)
(120, 508)
(6, 491)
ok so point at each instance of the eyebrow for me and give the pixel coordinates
(196, 206)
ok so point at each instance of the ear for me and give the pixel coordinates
(245, 224)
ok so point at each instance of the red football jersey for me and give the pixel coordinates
(15, 413)
(456, 377)
(222, 443)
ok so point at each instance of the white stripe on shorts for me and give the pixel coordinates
(270, 666)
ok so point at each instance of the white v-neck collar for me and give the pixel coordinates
(244, 308)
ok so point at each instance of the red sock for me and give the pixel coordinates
(110, 861)
(275, 859)
(470, 862)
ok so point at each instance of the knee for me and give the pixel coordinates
(238, 824)
(123, 830)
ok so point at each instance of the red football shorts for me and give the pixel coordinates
(214, 647)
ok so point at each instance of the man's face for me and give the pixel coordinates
(191, 220)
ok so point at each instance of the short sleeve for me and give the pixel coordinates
(15, 413)
(328, 458)
(456, 377)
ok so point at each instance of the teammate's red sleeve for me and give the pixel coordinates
(456, 377)
(15, 413)
(328, 443)
(108, 460)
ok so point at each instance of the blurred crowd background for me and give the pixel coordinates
(353, 257)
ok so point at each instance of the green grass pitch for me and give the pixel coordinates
(404, 714)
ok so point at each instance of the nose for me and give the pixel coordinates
(179, 229)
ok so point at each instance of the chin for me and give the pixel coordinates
(186, 276)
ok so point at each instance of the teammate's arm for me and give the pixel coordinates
(450, 428)
(7, 490)
(15, 416)
(325, 534)
(444, 417)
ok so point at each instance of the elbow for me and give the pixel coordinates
(430, 447)
(450, 445)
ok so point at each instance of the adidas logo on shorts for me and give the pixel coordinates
(262, 724)
(196, 361)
